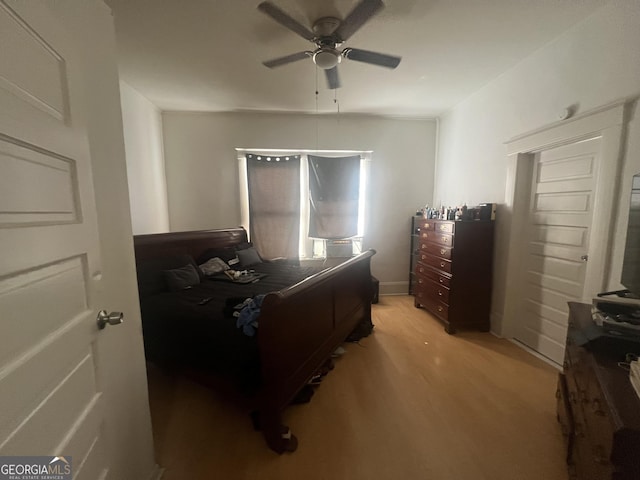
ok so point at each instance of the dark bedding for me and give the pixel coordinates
(300, 324)
(178, 329)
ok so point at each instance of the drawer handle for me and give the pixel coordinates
(426, 225)
(420, 281)
(439, 293)
(440, 308)
(422, 257)
(421, 270)
(425, 235)
(441, 264)
(444, 239)
(423, 246)
(441, 280)
(443, 227)
(442, 251)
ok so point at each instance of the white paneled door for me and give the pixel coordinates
(50, 269)
(557, 243)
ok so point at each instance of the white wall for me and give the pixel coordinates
(592, 64)
(142, 123)
(202, 171)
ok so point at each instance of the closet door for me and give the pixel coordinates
(557, 243)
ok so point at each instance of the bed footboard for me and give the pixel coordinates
(300, 327)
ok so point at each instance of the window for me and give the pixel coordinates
(309, 243)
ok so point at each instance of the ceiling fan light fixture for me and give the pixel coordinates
(326, 58)
(328, 34)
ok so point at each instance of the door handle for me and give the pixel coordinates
(113, 318)
(584, 258)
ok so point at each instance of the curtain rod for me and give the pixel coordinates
(289, 151)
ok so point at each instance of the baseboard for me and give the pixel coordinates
(394, 288)
(497, 328)
(536, 354)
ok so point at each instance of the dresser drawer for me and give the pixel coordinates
(434, 249)
(577, 396)
(425, 225)
(445, 227)
(427, 235)
(433, 275)
(440, 264)
(443, 239)
(433, 289)
(598, 421)
(590, 461)
(439, 309)
(438, 238)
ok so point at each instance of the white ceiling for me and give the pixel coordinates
(205, 55)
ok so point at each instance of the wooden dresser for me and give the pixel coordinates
(598, 410)
(451, 271)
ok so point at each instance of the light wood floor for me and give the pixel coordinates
(408, 402)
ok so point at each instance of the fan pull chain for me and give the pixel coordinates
(337, 102)
(316, 89)
(317, 126)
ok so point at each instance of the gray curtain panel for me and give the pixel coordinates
(334, 188)
(274, 204)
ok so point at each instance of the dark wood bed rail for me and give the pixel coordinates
(300, 326)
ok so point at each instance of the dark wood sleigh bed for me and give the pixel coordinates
(300, 326)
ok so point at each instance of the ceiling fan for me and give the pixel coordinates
(328, 34)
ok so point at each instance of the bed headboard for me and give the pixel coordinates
(193, 243)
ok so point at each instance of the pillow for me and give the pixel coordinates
(224, 254)
(213, 266)
(248, 256)
(181, 278)
(150, 273)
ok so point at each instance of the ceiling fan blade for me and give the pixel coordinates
(294, 57)
(285, 20)
(358, 17)
(333, 79)
(375, 58)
